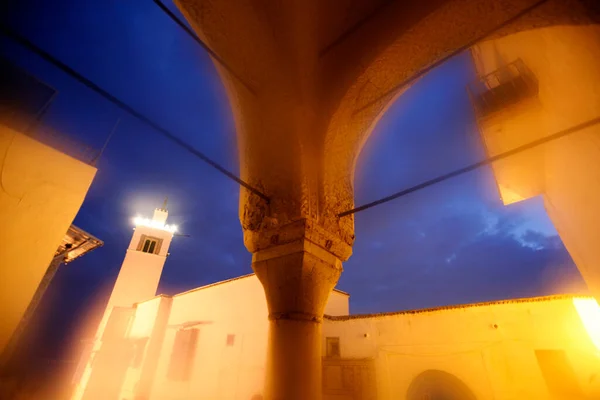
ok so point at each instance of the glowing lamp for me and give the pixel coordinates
(150, 223)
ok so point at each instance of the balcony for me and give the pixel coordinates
(502, 88)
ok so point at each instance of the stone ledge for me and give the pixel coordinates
(299, 245)
(300, 235)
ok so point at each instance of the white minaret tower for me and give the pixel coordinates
(144, 260)
(103, 364)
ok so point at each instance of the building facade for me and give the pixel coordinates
(21, 377)
(543, 86)
(42, 187)
(211, 343)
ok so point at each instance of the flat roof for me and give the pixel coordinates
(235, 279)
(458, 306)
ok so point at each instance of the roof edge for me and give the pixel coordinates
(158, 296)
(214, 284)
(341, 292)
(235, 279)
(459, 306)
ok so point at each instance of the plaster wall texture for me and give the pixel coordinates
(148, 328)
(564, 59)
(338, 304)
(41, 191)
(490, 347)
(220, 371)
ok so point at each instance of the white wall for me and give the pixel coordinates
(148, 324)
(235, 307)
(564, 60)
(489, 346)
(41, 191)
(496, 363)
(140, 272)
(338, 304)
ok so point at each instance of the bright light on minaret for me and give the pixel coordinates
(150, 223)
(158, 221)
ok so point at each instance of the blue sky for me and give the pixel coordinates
(451, 243)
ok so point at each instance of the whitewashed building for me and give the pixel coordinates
(210, 343)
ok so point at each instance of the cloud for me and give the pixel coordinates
(456, 256)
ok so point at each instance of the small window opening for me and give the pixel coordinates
(149, 246)
(230, 340)
(332, 347)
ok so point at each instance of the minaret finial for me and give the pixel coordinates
(164, 206)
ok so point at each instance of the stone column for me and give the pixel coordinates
(298, 265)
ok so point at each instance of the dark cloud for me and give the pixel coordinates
(460, 259)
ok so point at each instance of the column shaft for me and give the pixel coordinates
(293, 360)
(297, 278)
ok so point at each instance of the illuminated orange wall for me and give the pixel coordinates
(567, 171)
(491, 347)
(41, 191)
(495, 363)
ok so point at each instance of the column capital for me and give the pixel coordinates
(300, 235)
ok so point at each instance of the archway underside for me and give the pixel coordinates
(322, 73)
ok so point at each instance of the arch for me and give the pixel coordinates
(438, 385)
(375, 83)
(323, 73)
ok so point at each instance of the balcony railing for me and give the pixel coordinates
(502, 88)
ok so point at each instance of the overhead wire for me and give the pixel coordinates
(15, 36)
(26, 43)
(474, 166)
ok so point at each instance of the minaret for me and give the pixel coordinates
(144, 260)
(105, 361)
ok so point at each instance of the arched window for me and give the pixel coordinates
(149, 244)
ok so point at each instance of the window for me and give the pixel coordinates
(230, 340)
(149, 244)
(332, 345)
(182, 357)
